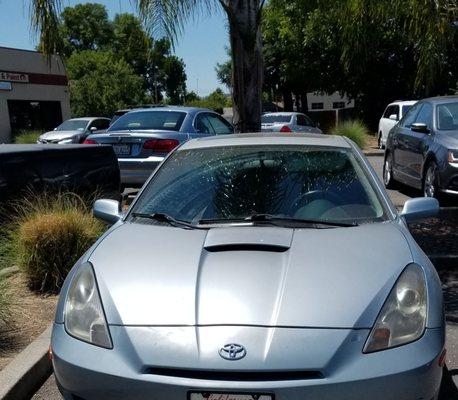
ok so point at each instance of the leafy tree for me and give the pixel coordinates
(101, 83)
(175, 80)
(85, 27)
(224, 73)
(131, 42)
(216, 101)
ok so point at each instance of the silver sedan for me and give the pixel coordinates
(246, 270)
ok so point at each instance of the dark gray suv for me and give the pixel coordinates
(422, 149)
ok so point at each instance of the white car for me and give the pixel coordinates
(392, 115)
(288, 122)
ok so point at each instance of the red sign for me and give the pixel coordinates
(14, 77)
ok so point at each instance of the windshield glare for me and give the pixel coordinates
(235, 183)
(272, 119)
(73, 125)
(146, 120)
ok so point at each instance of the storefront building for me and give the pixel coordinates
(33, 92)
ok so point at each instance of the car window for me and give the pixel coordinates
(73, 125)
(220, 125)
(425, 115)
(102, 123)
(390, 111)
(203, 125)
(276, 118)
(302, 120)
(409, 118)
(447, 116)
(405, 109)
(291, 181)
(149, 120)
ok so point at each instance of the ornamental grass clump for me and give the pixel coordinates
(52, 233)
(354, 130)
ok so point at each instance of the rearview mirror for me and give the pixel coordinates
(419, 127)
(107, 211)
(416, 210)
(394, 117)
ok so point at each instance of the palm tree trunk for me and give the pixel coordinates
(248, 63)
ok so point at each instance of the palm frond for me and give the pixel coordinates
(168, 17)
(44, 17)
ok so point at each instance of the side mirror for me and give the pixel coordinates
(393, 117)
(416, 210)
(92, 128)
(419, 127)
(55, 129)
(107, 211)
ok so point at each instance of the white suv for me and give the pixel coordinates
(392, 115)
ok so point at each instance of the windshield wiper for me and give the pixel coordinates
(276, 220)
(161, 217)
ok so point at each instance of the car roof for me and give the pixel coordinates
(253, 139)
(403, 102)
(86, 118)
(189, 110)
(442, 99)
(286, 113)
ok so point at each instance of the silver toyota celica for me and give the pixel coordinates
(250, 268)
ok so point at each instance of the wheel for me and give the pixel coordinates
(431, 181)
(388, 179)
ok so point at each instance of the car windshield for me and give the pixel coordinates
(146, 120)
(273, 118)
(237, 183)
(73, 125)
(447, 116)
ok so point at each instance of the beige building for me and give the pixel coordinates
(33, 93)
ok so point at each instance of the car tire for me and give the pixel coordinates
(388, 179)
(431, 181)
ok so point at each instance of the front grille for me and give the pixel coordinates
(244, 376)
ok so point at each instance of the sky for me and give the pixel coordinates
(201, 46)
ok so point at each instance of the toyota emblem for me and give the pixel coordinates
(232, 352)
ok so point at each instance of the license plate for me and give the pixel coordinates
(121, 149)
(229, 396)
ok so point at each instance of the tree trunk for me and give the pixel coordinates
(287, 100)
(244, 18)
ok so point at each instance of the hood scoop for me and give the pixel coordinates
(268, 239)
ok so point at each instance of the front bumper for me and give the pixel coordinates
(136, 171)
(410, 372)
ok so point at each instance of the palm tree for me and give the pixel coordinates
(244, 21)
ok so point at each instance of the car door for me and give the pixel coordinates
(389, 120)
(417, 144)
(402, 157)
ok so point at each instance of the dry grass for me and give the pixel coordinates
(52, 233)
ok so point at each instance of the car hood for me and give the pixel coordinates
(59, 135)
(151, 275)
(448, 140)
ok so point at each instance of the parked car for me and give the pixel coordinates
(246, 269)
(74, 130)
(391, 116)
(422, 150)
(142, 138)
(287, 122)
(84, 170)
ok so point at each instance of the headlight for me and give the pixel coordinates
(65, 141)
(84, 316)
(453, 156)
(403, 316)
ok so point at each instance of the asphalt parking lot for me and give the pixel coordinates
(49, 390)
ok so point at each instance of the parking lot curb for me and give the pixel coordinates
(24, 375)
(373, 153)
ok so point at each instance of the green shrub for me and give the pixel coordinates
(51, 234)
(354, 130)
(27, 137)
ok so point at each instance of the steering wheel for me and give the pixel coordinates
(314, 195)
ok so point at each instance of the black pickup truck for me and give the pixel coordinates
(85, 170)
